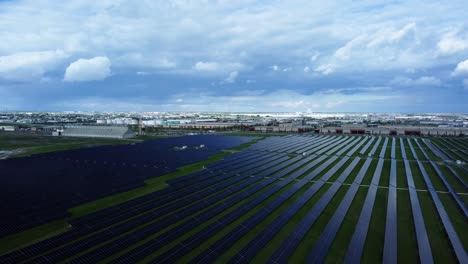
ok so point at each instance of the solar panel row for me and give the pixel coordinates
(447, 223)
(211, 200)
(356, 246)
(323, 141)
(75, 233)
(366, 147)
(74, 248)
(403, 150)
(315, 147)
(456, 150)
(39, 193)
(384, 149)
(300, 230)
(177, 229)
(323, 244)
(447, 185)
(286, 148)
(222, 244)
(133, 205)
(337, 147)
(462, 144)
(194, 240)
(348, 146)
(390, 244)
(435, 150)
(376, 145)
(350, 153)
(248, 252)
(459, 178)
(424, 248)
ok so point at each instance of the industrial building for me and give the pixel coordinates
(396, 130)
(7, 128)
(96, 131)
(283, 128)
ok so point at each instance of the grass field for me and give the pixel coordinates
(26, 144)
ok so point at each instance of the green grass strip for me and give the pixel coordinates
(340, 245)
(440, 245)
(307, 243)
(373, 248)
(407, 243)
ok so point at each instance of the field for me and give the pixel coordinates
(298, 199)
(27, 144)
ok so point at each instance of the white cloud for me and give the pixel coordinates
(306, 69)
(314, 57)
(344, 53)
(384, 36)
(232, 77)
(274, 67)
(389, 36)
(250, 81)
(165, 63)
(334, 104)
(206, 66)
(273, 28)
(354, 90)
(216, 67)
(179, 100)
(97, 68)
(451, 44)
(25, 66)
(381, 47)
(289, 104)
(421, 81)
(325, 69)
(143, 73)
(138, 59)
(461, 69)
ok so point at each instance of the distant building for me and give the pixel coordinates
(397, 130)
(98, 131)
(7, 128)
(284, 128)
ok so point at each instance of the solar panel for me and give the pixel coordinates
(356, 246)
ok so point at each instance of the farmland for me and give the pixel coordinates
(310, 198)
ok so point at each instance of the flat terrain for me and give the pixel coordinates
(313, 198)
(20, 145)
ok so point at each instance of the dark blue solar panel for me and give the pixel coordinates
(393, 152)
(366, 147)
(321, 142)
(384, 149)
(390, 244)
(376, 145)
(456, 150)
(424, 248)
(447, 185)
(248, 252)
(100, 237)
(321, 247)
(358, 240)
(245, 208)
(447, 223)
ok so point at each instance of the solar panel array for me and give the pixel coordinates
(38, 189)
(238, 209)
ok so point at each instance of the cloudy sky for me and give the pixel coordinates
(243, 55)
